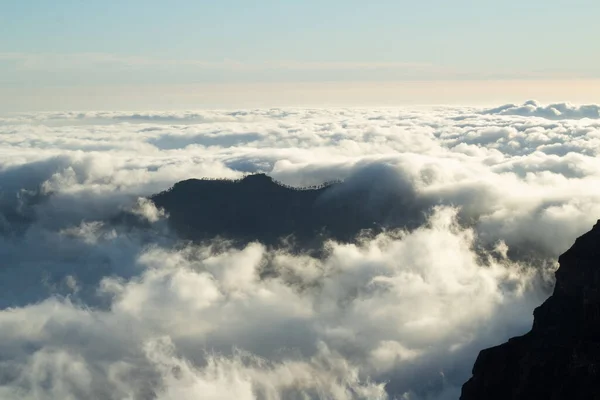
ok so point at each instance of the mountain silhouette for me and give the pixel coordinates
(560, 357)
(256, 208)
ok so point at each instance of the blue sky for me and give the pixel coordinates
(70, 43)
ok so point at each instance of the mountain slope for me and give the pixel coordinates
(560, 357)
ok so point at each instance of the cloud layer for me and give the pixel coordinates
(94, 309)
(552, 111)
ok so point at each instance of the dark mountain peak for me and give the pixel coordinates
(260, 179)
(560, 357)
(257, 208)
(585, 246)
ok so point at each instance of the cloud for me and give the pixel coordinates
(556, 111)
(330, 327)
(98, 307)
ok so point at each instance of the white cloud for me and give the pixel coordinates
(96, 310)
(382, 308)
(552, 111)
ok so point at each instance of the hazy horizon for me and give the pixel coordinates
(281, 95)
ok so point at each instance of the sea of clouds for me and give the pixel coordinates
(97, 310)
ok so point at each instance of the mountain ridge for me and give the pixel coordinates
(258, 208)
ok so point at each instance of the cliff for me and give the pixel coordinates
(560, 357)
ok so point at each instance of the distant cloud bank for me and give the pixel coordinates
(532, 108)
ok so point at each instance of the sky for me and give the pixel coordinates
(73, 49)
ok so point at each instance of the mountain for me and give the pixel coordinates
(560, 357)
(256, 208)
